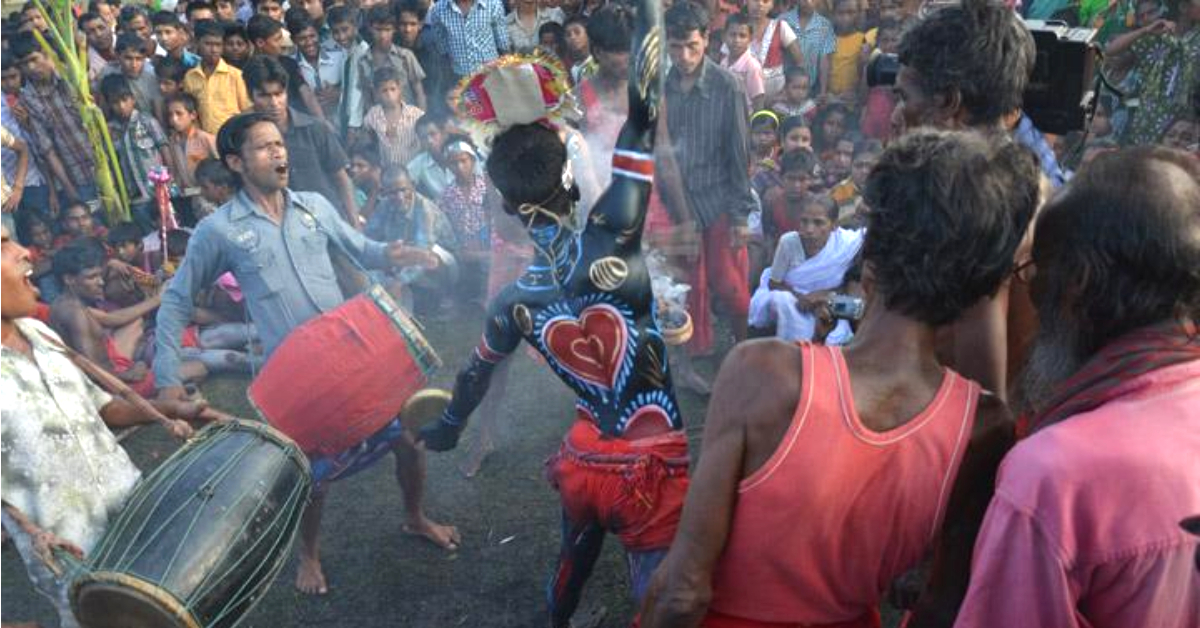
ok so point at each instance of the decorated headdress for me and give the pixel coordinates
(512, 90)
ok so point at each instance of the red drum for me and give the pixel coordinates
(344, 375)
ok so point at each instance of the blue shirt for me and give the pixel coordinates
(472, 39)
(1031, 138)
(284, 271)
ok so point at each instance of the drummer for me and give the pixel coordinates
(64, 474)
(276, 243)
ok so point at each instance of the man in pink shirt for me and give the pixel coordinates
(1084, 528)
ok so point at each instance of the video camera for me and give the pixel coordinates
(1061, 91)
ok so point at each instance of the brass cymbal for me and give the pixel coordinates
(425, 406)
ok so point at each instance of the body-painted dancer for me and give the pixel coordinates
(585, 303)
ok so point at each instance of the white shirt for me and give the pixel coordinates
(61, 464)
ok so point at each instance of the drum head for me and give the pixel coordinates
(425, 406)
(125, 602)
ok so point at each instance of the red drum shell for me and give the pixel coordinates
(339, 378)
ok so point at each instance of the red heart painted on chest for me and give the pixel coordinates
(592, 346)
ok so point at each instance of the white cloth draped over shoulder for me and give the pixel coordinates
(824, 271)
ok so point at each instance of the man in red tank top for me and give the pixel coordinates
(827, 473)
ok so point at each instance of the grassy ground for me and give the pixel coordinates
(378, 576)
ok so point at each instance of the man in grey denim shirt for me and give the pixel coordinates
(276, 242)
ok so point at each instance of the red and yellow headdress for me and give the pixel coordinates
(515, 89)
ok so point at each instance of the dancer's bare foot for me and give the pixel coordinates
(445, 537)
(473, 461)
(310, 579)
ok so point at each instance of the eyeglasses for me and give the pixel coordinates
(1025, 271)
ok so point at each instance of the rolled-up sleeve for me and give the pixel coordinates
(204, 262)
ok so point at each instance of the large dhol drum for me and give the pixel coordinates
(341, 377)
(201, 539)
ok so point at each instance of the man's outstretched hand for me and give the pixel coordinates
(440, 435)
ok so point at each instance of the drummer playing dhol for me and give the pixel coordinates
(586, 304)
(276, 242)
(64, 474)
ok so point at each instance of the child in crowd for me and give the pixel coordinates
(463, 202)
(38, 237)
(764, 145)
(384, 52)
(876, 119)
(173, 38)
(141, 146)
(267, 35)
(197, 11)
(836, 164)
(829, 127)
(848, 193)
(217, 86)
(795, 134)
(131, 64)
(190, 143)
(76, 223)
(170, 73)
(794, 99)
(366, 172)
(771, 39)
(851, 51)
(738, 60)
(129, 275)
(800, 174)
(321, 66)
(552, 38)
(217, 183)
(226, 11)
(343, 28)
(134, 19)
(392, 119)
(579, 55)
(411, 33)
(237, 48)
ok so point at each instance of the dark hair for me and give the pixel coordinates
(198, 5)
(380, 14)
(22, 45)
(526, 166)
(233, 28)
(741, 18)
(26, 223)
(684, 17)
(261, 27)
(825, 202)
(165, 18)
(611, 29)
(169, 69)
(792, 122)
(177, 241)
(980, 50)
(869, 146)
(553, 28)
(260, 70)
(208, 28)
(1118, 245)
(386, 73)
(115, 88)
(9, 62)
(89, 16)
(799, 159)
(367, 147)
(187, 100)
(124, 232)
(130, 41)
(409, 6)
(256, 3)
(578, 18)
(431, 119)
(94, 5)
(236, 130)
(818, 125)
(341, 13)
(297, 19)
(129, 13)
(78, 256)
(211, 170)
(947, 211)
(795, 71)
